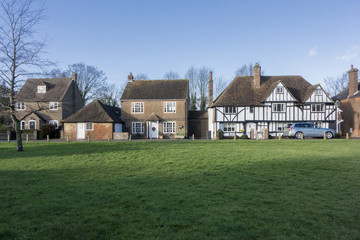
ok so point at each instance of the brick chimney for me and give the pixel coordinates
(211, 89)
(130, 78)
(74, 76)
(257, 75)
(353, 81)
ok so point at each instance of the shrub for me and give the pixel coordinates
(219, 134)
(29, 131)
(337, 135)
(244, 136)
(47, 129)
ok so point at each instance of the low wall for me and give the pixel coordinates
(120, 135)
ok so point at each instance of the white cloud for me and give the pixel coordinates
(313, 51)
(351, 53)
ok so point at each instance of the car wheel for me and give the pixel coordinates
(298, 135)
(328, 135)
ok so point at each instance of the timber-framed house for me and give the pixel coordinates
(268, 102)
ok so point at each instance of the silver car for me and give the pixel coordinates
(307, 130)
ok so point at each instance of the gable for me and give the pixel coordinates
(317, 94)
(280, 93)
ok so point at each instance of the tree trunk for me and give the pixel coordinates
(19, 145)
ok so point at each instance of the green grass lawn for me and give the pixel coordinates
(286, 189)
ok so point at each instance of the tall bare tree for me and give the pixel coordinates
(246, 70)
(336, 85)
(20, 51)
(203, 86)
(171, 75)
(111, 95)
(192, 75)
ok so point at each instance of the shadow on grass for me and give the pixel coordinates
(293, 198)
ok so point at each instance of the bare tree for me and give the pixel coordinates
(336, 85)
(203, 85)
(192, 75)
(141, 76)
(220, 86)
(246, 70)
(111, 95)
(171, 75)
(20, 52)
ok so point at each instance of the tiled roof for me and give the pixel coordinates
(55, 90)
(345, 94)
(156, 89)
(241, 91)
(96, 112)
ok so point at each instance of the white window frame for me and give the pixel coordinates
(137, 107)
(41, 89)
(318, 92)
(314, 105)
(275, 107)
(279, 90)
(20, 106)
(134, 128)
(230, 110)
(169, 107)
(34, 121)
(54, 106)
(169, 125)
(91, 124)
(21, 125)
(229, 127)
(54, 122)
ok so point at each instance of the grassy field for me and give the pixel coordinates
(181, 190)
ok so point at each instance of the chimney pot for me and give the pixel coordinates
(130, 78)
(257, 75)
(74, 76)
(211, 89)
(352, 66)
(353, 81)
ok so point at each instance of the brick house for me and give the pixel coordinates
(350, 105)
(95, 121)
(48, 100)
(156, 108)
(266, 104)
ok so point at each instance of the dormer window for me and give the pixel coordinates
(20, 106)
(41, 89)
(53, 105)
(279, 89)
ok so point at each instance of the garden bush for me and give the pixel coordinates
(219, 134)
(244, 137)
(47, 129)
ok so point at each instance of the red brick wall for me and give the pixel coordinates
(101, 131)
(351, 116)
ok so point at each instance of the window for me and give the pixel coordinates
(318, 107)
(169, 127)
(89, 126)
(20, 106)
(41, 89)
(278, 107)
(53, 105)
(137, 127)
(229, 127)
(318, 92)
(54, 122)
(251, 109)
(32, 124)
(137, 107)
(170, 107)
(230, 109)
(280, 126)
(22, 125)
(279, 89)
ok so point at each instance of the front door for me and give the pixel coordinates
(81, 130)
(153, 130)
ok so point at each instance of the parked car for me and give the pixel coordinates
(295, 130)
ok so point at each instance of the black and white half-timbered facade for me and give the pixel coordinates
(268, 102)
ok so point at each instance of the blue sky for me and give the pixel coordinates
(315, 39)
